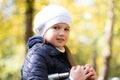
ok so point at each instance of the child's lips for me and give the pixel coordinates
(60, 40)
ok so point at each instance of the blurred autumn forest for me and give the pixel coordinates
(94, 38)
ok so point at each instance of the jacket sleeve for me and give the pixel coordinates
(67, 79)
(35, 65)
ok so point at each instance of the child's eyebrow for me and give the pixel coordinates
(55, 25)
(58, 25)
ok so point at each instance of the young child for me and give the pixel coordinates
(47, 52)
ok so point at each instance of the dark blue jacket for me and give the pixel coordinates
(42, 60)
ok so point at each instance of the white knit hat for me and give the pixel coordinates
(49, 16)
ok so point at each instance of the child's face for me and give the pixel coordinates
(58, 34)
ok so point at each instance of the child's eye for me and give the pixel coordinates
(67, 29)
(56, 27)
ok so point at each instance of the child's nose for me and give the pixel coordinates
(62, 32)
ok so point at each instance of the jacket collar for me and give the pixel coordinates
(33, 40)
(48, 46)
(52, 49)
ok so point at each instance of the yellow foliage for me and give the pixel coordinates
(12, 47)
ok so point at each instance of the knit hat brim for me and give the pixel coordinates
(50, 16)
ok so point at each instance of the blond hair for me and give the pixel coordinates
(69, 55)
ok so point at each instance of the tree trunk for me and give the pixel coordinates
(107, 49)
(29, 19)
(94, 54)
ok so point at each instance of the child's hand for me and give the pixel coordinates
(78, 73)
(89, 70)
